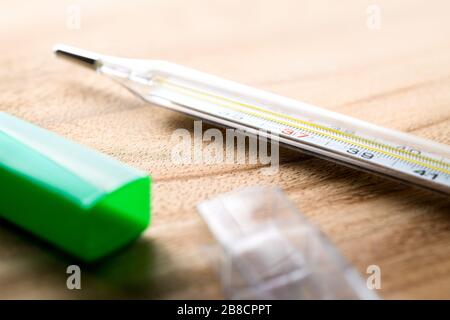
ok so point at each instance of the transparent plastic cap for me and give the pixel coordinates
(270, 251)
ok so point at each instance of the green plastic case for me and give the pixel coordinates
(83, 202)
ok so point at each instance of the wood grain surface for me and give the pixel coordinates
(321, 52)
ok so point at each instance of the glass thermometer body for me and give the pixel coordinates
(301, 126)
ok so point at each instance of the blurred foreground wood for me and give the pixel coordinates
(322, 52)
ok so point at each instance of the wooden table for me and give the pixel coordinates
(322, 52)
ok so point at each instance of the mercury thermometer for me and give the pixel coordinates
(302, 126)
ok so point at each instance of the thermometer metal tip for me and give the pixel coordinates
(86, 58)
